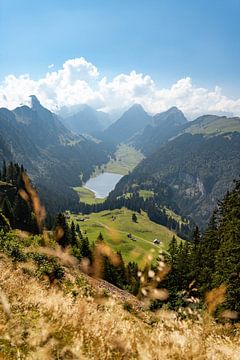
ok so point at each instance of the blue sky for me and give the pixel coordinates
(111, 54)
(167, 39)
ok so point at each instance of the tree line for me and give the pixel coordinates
(210, 260)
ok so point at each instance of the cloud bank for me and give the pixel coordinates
(79, 82)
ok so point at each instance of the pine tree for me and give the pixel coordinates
(73, 235)
(65, 238)
(22, 215)
(85, 250)
(209, 246)
(227, 263)
(172, 280)
(134, 217)
(100, 237)
(78, 229)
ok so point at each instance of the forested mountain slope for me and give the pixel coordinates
(53, 156)
(195, 170)
(162, 127)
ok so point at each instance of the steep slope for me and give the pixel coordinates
(163, 126)
(83, 318)
(195, 170)
(87, 121)
(53, 156)
(131, 122)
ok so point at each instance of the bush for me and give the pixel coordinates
(48, 266)
(11, 245)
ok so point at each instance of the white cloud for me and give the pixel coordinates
(50, 66)
(79, 82)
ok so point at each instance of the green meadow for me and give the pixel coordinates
(126, 158)
(87, 196)
(115, 226)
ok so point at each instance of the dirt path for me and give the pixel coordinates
(125, 233)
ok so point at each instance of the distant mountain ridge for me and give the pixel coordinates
(131, 122)
(162, 127)
(54, 157)
(87, 121)
(195, 167)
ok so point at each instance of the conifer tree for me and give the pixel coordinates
(100, 237)
(65, 239)
(85, 250)
(227, 262)
(134, 217)
(22, 215)
(78, 229)
(73, 234)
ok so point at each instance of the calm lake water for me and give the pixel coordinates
(102, 184)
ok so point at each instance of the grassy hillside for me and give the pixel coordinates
(87, 196)
(83, 318)
(115, 225)
(208, 125)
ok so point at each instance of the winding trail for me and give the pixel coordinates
(125, 233)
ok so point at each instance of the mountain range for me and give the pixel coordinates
(86, 120)
(195, 161)
(196, 166)
(54, 156)
(131, 122)
(162, 127)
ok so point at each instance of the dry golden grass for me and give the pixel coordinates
(39, 321)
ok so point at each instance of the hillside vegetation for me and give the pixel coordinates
(189, 174)
(87, 196)
(55, 305)
(115, 226)
(76, 319)
(125, 159)
(214, 125)
(55, 157)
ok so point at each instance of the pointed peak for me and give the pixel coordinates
(173, 109)
(35, 103)
(136, 106)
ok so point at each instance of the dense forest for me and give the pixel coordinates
(211, 260)
(188, 174)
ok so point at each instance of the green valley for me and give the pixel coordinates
(125, 159)
(117, 225)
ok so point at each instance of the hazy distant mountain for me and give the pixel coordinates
(87, 121)
(41, 125)
(52, 154)
(162, 127)
(132, 121)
